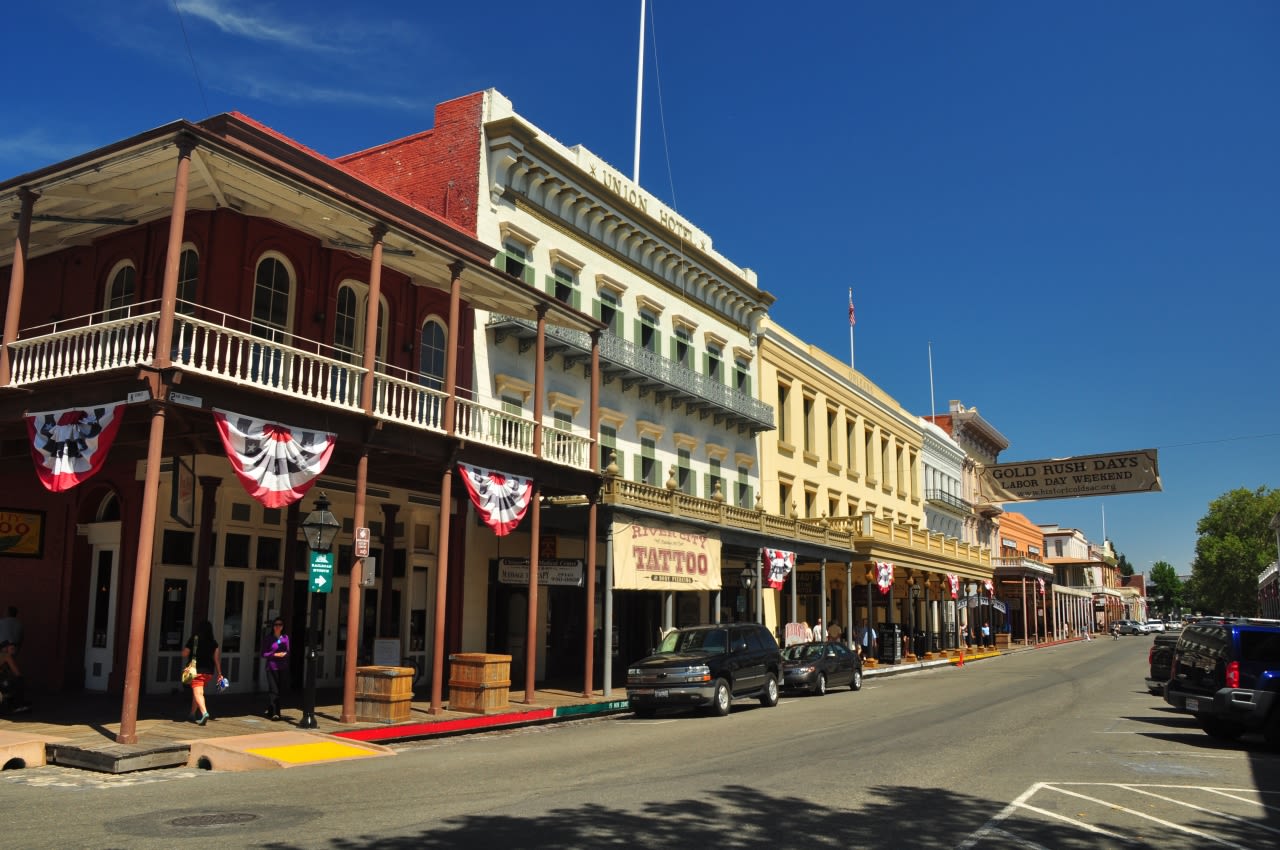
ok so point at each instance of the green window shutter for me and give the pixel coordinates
(622, 461)
(751, 496)
(675, 352)
(500, 260)
(746, 385)
(550, 285)
(529, 277)
(706, 363)
(576, 301)
(657, 340)
(595, 308)
(708, 487)
(639, 463)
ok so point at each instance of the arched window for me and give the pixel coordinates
(431, 353)
(272, 292)
(121, 290)
(349, 324)
(188, 272)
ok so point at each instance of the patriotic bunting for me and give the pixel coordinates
(500, 499)
(986, 584)
(1040, 581)
(953, 582)
(276, 464)
(884, 576)
(780, 566)
(70, 445)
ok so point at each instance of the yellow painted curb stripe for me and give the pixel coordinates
(319, 751)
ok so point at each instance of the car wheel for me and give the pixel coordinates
(820, 687)
(721, 699)
(855, 684)
(1222, 730)
(770, 696)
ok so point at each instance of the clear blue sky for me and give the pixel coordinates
(1077, 203)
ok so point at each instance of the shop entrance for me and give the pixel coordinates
(104, 578)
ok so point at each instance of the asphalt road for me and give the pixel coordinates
(1056, 748)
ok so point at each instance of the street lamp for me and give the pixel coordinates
(747, 578)
(319, 530)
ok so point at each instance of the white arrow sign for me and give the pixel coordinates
(320, 582)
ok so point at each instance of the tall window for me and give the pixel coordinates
(833, 436)
(647, 464)
(432, 351)
(647, 336)
(188, 272)
(272, 290)
(345, 324)
(121, 291)
(684, 476)
(609, 447)
(742, 376)
(784, 418)
(682, 348)
(808, 424)
(744, 489)
(715, 479)
(563, 286)
(715, 363)
(608, 310)
(514, 260)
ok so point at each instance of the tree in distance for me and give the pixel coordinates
(1235, 544)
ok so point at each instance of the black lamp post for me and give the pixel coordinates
(747, 578)
(319, 530)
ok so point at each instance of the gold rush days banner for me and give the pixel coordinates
(1061, 478)
(655, 557)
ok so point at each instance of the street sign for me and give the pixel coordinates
(368, 572)
(362, 542)
(321, 564)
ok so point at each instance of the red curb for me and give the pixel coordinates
(445, 727)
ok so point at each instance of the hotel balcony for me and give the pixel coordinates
(647, 370)
(235, 351)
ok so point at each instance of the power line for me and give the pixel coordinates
(1221, 440)
(194, 70)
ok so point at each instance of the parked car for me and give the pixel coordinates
(1130, 627)
(1227, 675)
(707, 667)
(1155, 626)
(1160, 659)
(814, 667)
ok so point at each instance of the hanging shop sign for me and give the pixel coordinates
(1061, 478)
(560, 572)
(650, 556)
(977, 601)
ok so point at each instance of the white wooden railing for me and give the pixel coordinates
(232, 349)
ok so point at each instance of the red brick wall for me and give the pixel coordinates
(436, 170)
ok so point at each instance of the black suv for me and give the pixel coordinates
(707, 666)
(1228, 675)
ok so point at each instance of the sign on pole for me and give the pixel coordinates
(321, 572)
(362, 542)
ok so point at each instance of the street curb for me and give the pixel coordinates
(463, 725)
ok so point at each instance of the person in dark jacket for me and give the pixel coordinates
(275, 649)
(204, 649)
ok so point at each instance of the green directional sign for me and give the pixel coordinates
(321, 564)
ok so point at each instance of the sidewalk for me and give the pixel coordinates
(78, 730)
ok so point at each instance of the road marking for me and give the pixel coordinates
(1200, 808)
(1144, 815)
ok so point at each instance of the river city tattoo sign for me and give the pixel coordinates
(1064, 478)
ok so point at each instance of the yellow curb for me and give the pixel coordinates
(310, 753)
(276, 750)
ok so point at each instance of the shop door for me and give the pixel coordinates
(245, 606)
(170, 626)
(100, 628)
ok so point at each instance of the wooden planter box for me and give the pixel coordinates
(479, 682)
(384, 694)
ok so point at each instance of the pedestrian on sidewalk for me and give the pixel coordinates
(13, 696)
(275, 649)
(11, 628)
(204, 649)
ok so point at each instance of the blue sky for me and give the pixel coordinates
(1077, 204)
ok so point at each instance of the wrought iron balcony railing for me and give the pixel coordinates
(636, 365)
(944, 497)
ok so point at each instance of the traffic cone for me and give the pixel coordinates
(960, 663)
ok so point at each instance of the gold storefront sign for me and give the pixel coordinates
(652, 556)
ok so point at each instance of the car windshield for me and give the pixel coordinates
(709, 640)
(802, 652)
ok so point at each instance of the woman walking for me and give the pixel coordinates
(204, 649)
(275, 649)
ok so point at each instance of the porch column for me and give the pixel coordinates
(446, 490)
(17, 279)
(593, 512)
(155, 452)
(1026, 636)
(822, 599)
(535, 509)
(386, 612)
(204, 550)
(848, 605)
(360, 520)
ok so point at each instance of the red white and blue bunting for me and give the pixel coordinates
(987, 586)
(884, 576)
(1040, 582)
(500, 499)
(70, 445)
(277, 464)
(953, 582)
(780, 565)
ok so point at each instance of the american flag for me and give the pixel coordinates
(852, 322)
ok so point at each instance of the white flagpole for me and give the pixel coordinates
(635, 172)
(933, 410)
(851, 366)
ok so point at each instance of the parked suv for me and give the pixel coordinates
(1160, 657)
(1227, 674)
(1130, 627)
(707, 667)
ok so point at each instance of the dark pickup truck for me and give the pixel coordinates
(1227, 674)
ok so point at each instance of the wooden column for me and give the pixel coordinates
(535, 510)
(17, 280)
(593, 513)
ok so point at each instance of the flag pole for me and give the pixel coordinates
(635, 172)
(851, 366)
(933, 410)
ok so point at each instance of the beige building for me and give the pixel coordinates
(846, 455)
